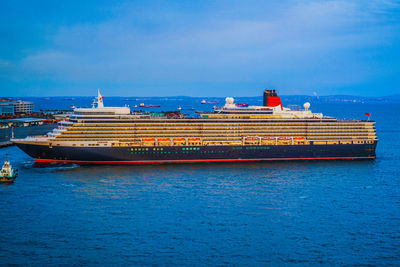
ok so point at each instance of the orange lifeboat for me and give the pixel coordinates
(251, 140)
(179, 141)
(284, 140)
(148, 140)
(194, 140)
(268, 139)
(164, 141)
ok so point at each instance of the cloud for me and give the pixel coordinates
(302, 44)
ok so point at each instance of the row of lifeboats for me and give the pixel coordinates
(251, 140)
(170, 141)
(274, 140)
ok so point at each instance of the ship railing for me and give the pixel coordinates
(60, 129)
(34, 138)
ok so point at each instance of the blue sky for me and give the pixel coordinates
(199, 48)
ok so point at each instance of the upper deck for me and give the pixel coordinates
(272, 110)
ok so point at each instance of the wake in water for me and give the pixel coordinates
(51, 167)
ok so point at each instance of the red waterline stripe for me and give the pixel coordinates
(186, 161)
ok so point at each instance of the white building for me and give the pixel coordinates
(23, 107)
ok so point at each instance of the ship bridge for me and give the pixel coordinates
(100, 109)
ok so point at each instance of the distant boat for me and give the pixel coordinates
(242, 105)
(152, 106)
(7, 173)
(209, 102)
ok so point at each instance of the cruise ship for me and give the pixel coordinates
(106, 135)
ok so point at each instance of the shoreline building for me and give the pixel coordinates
(10, 107)
(23, 107)
(7, 108)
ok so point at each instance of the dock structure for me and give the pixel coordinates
(24, 122)
(6, 144)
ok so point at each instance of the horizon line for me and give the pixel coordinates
(281, 95)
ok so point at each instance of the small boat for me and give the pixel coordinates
(7, 173)
(209, 102)
(152, 106)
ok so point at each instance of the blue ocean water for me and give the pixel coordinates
(268, 213)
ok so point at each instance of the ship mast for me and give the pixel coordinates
(98, 100)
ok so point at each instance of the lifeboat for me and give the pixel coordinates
(251, 140)
(148, 141)
(194, 140)
(164, 141)
(268, 141)
(179, 141)
(299, 140)
(284, 140)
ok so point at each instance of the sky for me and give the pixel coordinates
(199, 48)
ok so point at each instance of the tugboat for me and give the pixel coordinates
(7, 173)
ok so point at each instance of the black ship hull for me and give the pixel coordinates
(181, 154)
